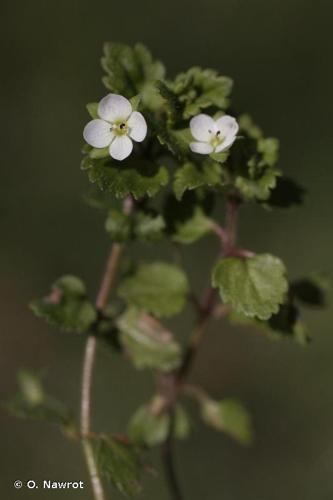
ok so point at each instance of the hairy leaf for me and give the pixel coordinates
(120, 463)
(147, 342)
(158, 288)
(228, 416)
(149, 227)
(32, 402)
(193, 229)
(195, 90)
(118, 226)
(136, 177)
(191, 176)
(67, 306)
(254, 286)
(132, 71)
(150, 428)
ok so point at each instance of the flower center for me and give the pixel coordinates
(216, 139)
(120, 128)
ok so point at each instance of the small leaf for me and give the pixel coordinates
(120, 463)
(135, 102)
(191, 176)
(220, 157)
(118, 226)
(176, 212)
(173, 105)
(228, 416)
(199, 88)
(133, 176)
(193, 229)
(176, 141)
(149, 227)
(67, 306)
(131, 72)
(148, 428)
(254, 286)
(32, 402)
(92, 109)
(259, 188)
(147, 342)
(158, 288)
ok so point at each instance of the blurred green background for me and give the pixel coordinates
(279, 54)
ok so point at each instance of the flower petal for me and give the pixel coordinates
(202, 148)
(228, 141)
(138, 126)
(227, 125)
(114, 107)
(121, 147)
(202, 127)
(98, 133)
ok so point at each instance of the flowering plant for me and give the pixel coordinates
(162, 154)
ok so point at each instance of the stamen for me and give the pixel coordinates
(218, 133)
(122, 126)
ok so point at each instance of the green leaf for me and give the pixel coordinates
(149, 227)
(147, 342)
(132, 71)
(191, 176)
(259, 188)
(118, 226)
(178, 212)
(176, 141)
(120, 463)
(92, 109)
(228, 416)
(67, 306)
(269, 150)
(220, 157)
(133, 176)
(254, 286)
(135, 102)
(147, 427)
(252, 162)
(173, 105)
(198, 89)
(157, 288)
(32, 402)
(193, 229)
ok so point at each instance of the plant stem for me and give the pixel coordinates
(206, 309)
(168, 460)
(87, 374)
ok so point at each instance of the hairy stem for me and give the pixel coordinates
(87, 374)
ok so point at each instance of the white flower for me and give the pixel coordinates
(116, 126)
(213, 136)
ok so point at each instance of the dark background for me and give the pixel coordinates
(280, 56)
